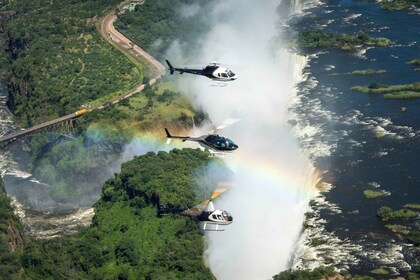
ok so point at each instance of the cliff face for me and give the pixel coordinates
(10, 227)
(11, 47)
(4, 17)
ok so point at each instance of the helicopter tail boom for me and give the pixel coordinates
(171, 68)
(170, 137)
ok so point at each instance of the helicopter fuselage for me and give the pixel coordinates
(215, 142)
(212, 71)
(219, 217)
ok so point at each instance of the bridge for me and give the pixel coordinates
(7, 139)
(128, 48)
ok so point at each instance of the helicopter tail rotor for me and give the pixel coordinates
(169, 137)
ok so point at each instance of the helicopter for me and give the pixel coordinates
(213, 142)
(205, 212)
(212, 71)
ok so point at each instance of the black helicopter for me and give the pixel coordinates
(213, 142)
(212, 71)
(205, 212)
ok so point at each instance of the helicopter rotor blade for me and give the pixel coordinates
(221, 188)
(225, 123)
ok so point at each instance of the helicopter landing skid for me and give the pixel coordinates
(217, 84)
(205, 228)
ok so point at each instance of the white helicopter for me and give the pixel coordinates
(214, 143)
(212, 71)
(205, 212)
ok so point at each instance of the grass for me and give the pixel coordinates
(142, 110)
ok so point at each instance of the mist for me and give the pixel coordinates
(272, 180)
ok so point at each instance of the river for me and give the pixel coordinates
(42, 216)
(359, 141)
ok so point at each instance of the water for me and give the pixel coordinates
(42, 216)
(342, 129)
(273, 180)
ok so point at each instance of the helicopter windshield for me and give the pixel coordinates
(230, 142)
(231, 74)
(227, 216)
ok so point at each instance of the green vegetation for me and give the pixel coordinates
(126, 239)
(398, 229)
(75, 168)
(11, 239)
(156, 25)
(414, 62)
(387, 213)
(414, 206)
(368, 72)
(374, 194)
(380, 271)
(391, 91)
(58, 61)
(326, 39)
(316, 274)
(414, 237)
(397, 5)
(402, 95)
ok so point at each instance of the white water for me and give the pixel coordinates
(273, 179)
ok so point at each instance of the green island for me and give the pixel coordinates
(409, 213)
(397, 5)
(405, 91)
(326, 39)
(380, 271)
(413, 206)
(329, 273)
(368, 72)
(414, 62)
(370, 194)
(398, 229)
(387, 213)
(126, 239)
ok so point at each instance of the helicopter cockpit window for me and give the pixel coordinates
(220, 217)
(214, 216)
(230, 142)
(231, 74)
(224, 75)
(227, 216)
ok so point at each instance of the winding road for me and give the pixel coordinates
(128, 48)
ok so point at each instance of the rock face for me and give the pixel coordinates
(10, 227)
(15, 236)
